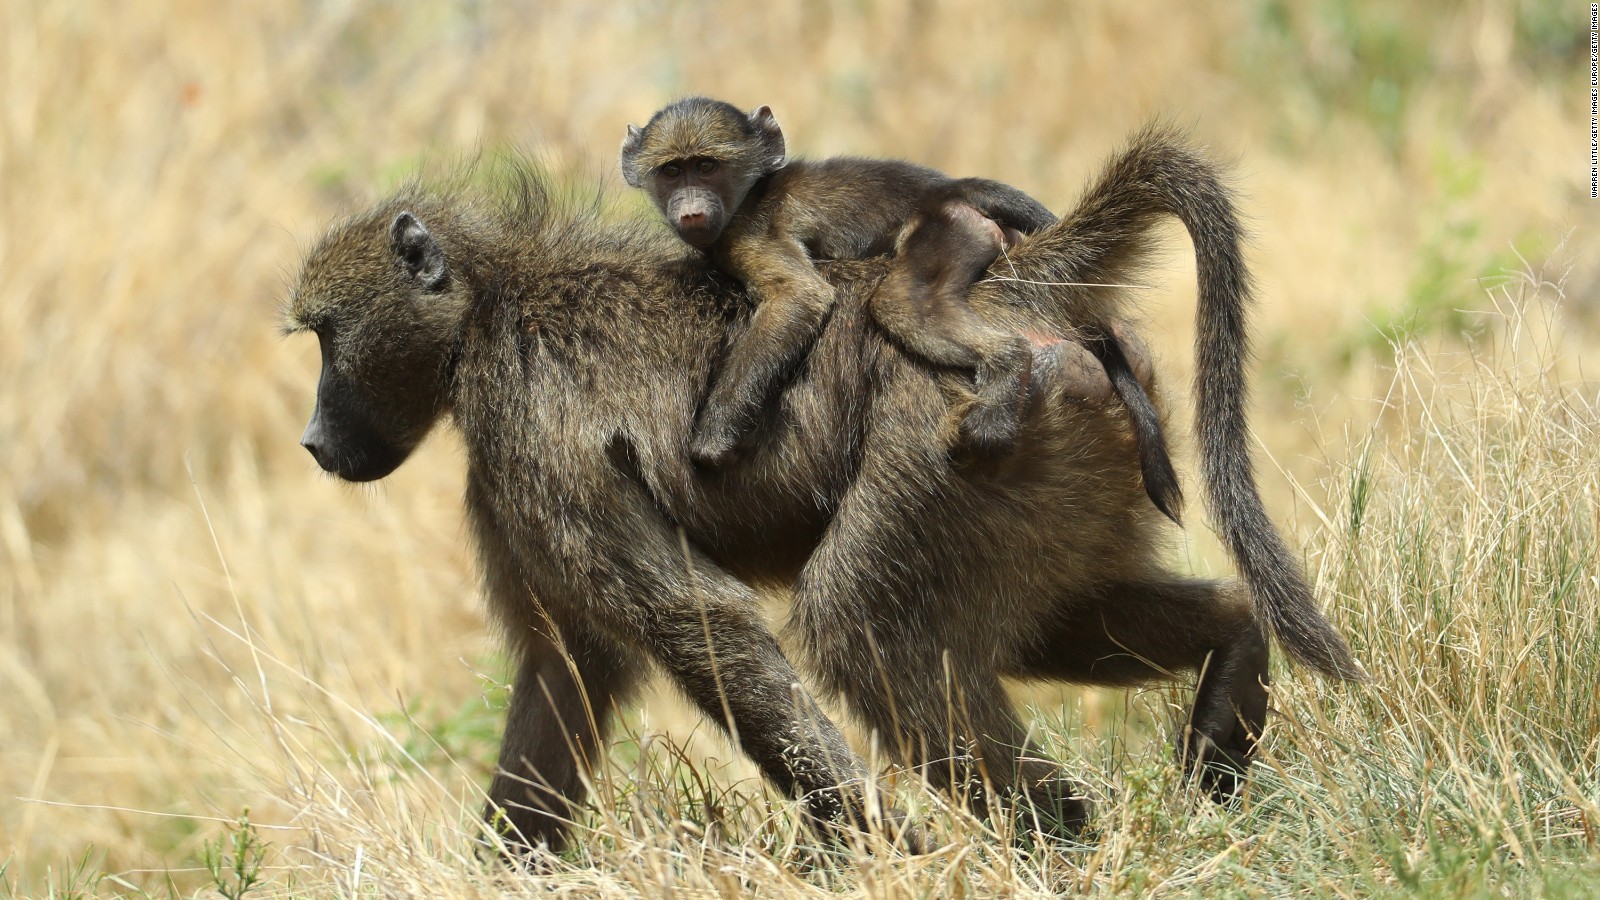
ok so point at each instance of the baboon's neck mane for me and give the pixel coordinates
(514, 216)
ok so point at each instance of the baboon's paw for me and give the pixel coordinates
(1054, 806)
(1068, 369)
(714, 446)
(1218, 743)
(988, 432)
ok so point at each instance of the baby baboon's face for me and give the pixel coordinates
(698, 159)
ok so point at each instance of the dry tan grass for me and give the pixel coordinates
(194, 623)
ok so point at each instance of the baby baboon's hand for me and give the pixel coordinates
(716, 443)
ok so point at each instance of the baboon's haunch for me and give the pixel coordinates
(571, 356)
(726, 185)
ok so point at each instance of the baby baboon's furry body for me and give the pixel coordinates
(724, 182)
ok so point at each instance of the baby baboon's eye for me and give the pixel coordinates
(707, 166)
(672, 170)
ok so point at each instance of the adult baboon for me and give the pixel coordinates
(572, 355)
(725, 183)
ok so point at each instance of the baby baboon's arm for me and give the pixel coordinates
(792, 303)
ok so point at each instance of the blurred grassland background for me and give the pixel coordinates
(197, 627)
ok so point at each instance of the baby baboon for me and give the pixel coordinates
(571, 357)
(725, 184)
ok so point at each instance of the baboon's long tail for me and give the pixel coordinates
(1160, 174)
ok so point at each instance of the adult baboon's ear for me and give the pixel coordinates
(630, 151)
(773, 152)
(417, 252)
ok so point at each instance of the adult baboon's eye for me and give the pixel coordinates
(707, 166)
(672, 170)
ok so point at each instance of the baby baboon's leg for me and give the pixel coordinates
(1133, 632)
(922, 305)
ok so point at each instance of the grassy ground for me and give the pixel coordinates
(222, 671)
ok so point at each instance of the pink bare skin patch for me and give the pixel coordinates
(1040, 340)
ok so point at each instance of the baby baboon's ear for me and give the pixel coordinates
(773, 151)
(630, 156)
(419, 255)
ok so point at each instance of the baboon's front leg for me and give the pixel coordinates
(561, 708)
(730, 666)
(633, 576)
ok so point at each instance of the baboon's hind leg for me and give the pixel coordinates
(946, 718)
(1139, 631)
(917, 666)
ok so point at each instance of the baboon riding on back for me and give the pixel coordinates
(573, 357)
(725, 183)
